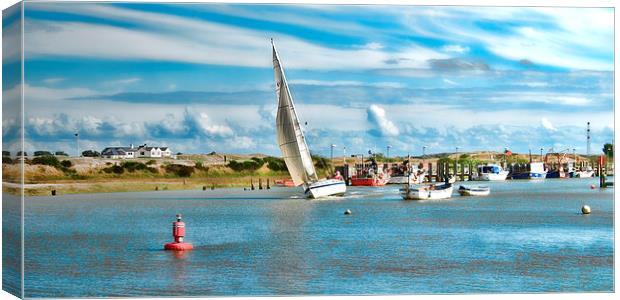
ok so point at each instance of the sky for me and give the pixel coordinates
(199, 77)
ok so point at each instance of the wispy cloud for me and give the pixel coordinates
(53, 80)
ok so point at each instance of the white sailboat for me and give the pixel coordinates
(293, 143)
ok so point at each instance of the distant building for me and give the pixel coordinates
(119, 152)
(142, 151)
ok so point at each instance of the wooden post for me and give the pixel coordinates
(251, 184)
(260, 183)
(268, 187)
(601, 171)
(462, 172)
(430, 172)
(447, 173)
(456, 169)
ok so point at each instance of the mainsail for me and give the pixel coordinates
(290, 137)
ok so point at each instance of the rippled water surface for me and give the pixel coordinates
(525, 237)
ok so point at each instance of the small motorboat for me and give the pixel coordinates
(491, 173)
(474, 190)
(429, 192)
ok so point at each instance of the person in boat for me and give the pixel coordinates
(338, 176)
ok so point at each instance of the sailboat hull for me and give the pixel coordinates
(324, 188)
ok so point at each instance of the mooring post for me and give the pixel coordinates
(462, 172)
(456, 168)
(268, 187)
(251, 184)
(260, 183)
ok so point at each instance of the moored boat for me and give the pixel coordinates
(474, 190)
(491, 173)
(368, 181)
(533, 170)
(415, 178)
(429, 192)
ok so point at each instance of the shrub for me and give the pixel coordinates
(66, 163)
(49, 160)
(150, 162)
(320, 162)
(275, 164)
(248, 165)
(6, 153)
(91, 153)
(180, 170)
(7, 160)
(117, 169)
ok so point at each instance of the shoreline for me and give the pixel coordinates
(132, 185)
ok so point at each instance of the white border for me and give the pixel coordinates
(567, 3)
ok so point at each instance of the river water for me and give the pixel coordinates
(527, 236)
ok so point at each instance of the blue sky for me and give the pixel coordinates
(199, 77)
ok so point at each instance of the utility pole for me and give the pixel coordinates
(541, 153)
(388, 151)
(331, 157)
(344, 155)
(588, 139)
(77, 144)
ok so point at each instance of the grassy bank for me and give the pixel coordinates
(99, 175)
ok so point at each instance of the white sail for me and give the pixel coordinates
(290, 137)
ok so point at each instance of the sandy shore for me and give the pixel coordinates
(128, 185)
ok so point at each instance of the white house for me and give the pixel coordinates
(119, 152)
(146, 151)
(132, 152)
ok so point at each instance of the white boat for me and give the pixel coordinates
(429, 192)
(292, 142)
(413, 178)
(491, 173)
(474, 190)
(585, 173)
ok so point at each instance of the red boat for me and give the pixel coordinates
(368, 181)
(285, 182)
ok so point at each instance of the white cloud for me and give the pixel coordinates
(123, 81)
(582, 38)
(455, 48)
(378, 117)
(242, 142)
(346, 83)
(450, 82)
(172, 38)
(212, 129)
(53, 80)
(547, 124)
(373, 46)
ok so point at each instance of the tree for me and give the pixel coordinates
(20, 153)
(66, 163)
(49, 160)
(60, 153)
(6, 153)
(41, 153)
(608, 149)
(90, 153)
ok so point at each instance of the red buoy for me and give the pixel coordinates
(178, 232)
